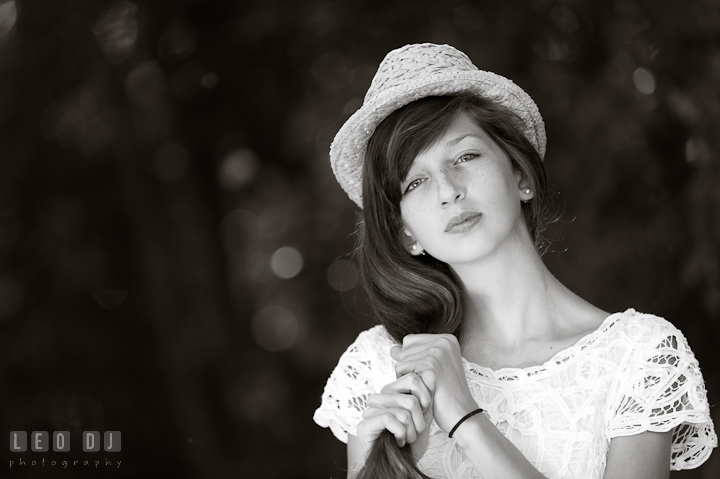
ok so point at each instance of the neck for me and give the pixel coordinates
(510, 297)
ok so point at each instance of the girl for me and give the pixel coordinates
(484, 365)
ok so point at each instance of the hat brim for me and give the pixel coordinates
(347, 151)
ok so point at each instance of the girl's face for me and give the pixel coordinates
(462, 197)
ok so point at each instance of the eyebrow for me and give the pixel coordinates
(455, 141)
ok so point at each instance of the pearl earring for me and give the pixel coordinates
(527, 192)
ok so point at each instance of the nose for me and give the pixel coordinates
(450, 187)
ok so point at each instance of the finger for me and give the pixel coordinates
(418, 353)
(412, 340)
(398, 421)
(417, 365)
(410, 384)
(445, 342)
(408, 402)
(373, 425)
(417, 339)
(395, 351)
(401, 433)
(423, 368)
(429, 378)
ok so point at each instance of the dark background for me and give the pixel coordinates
(156, 155)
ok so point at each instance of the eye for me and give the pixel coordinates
(412, 185)
(467, 157)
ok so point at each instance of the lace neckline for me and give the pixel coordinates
(562, 356)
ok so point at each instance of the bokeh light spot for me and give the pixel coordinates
(697, 151)
(171, 162)
(110, 298)
(644, 80)
(8, 17)
(116, 31)
(564, 19)
(257, 405)
(237, 169)
(342, 275)
(178, 39)
(145, 84)
(257, 267)
(71, 127)
(275, 328)
(209, 80)
(553, 49)
(286, 262)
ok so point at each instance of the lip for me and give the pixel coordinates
(463, 222)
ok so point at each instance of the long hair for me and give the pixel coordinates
(418, 294)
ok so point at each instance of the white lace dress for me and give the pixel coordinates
(635, 373)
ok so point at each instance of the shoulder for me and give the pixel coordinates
(372, 342)
(630, 338)
(659, 388)
(369, 356)
(653, 354)
(363, 369)
(377, 334)
(640, 328)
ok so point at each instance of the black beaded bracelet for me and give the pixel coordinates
(470, 414)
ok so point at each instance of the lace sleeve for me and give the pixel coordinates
(364, 369)
(663, 389)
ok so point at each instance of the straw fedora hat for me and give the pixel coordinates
(417, 71)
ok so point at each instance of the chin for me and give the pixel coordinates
(472, 248)
(463, 255)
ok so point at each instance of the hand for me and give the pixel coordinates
(404, 408)
(436, 357)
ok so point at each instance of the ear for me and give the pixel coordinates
(525, 188)
(416, 249)
(410, 243)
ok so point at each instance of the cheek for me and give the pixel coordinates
(504, 183)
(415, 217)
(409, 215)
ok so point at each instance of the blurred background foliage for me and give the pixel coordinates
(175, 254)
